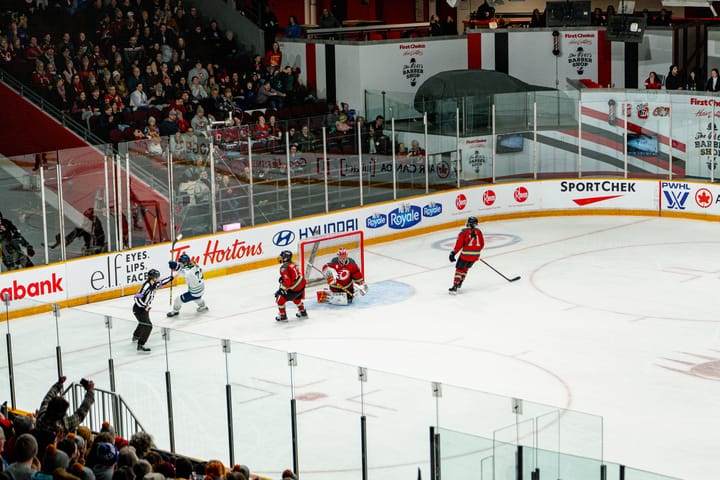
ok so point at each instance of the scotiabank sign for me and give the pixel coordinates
(19, 290)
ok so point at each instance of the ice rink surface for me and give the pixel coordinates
(614, 316)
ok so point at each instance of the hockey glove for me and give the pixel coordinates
(363, 289)
(173, 265)
(30, 251)
(279, 293)
(452, 256)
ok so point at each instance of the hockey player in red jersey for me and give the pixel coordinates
(292, 287)
(342, 274)
(469, 244)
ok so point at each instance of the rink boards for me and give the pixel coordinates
(120, 273)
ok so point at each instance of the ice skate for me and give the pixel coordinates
(143, 349)
(281, 318)
(173, 313)
(203, 309)
(453, 290)
(302, 314)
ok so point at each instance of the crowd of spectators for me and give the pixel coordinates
(676, 80)
(53, 444)
(115, 64)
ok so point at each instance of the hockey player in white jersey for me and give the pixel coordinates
(194, 279)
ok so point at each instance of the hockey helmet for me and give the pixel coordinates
(184, 259)
(285, 256)
(153, 274)
(472, 222)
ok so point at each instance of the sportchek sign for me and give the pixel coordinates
(595, 194)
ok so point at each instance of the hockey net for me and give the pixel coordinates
(316, 252)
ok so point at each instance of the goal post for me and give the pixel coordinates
(316, 252)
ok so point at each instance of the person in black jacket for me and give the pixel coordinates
(713, 83)
(674, 81)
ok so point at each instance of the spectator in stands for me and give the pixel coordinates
(169, 126)
(96, 102)
(143, 443)
(484, 11)
(75, 86)
(26, 464)
(328, 20)
(257, 65)
(261, 130)
(713, 83)
(228, 49)
(33, 50)
(597, 18)
(269, 97)
(273, 58)
(652, 82)
(163, 92)
(197, 91)
(7, 54)
(200, 72)
(435, 27)
(81, 110)
(139, 99)
(449, 27)
(152, 130)
(113, 98)
(341, 124)
(378, 126)
(133, 52)
(70, 71)
(52, 414)
(249, 95)
(59, 96)
(415, 149)
(694, 82)
(52, 459)
(305, 139)
(102, 459)
(674, 81)
(293, 30)
(107, 123)
(609, 12)
(41, 79)
(135, 78)
(538, 19)
(200, 123)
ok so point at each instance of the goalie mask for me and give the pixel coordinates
(342, 256)
(285, 256)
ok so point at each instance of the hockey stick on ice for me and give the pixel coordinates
(172, 257)
(499, 273)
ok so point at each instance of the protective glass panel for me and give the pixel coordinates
(463, 455)
(192, 177)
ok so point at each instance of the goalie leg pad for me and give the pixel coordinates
(337, 298)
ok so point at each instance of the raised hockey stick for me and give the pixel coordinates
(499, 273)
(172, 257)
